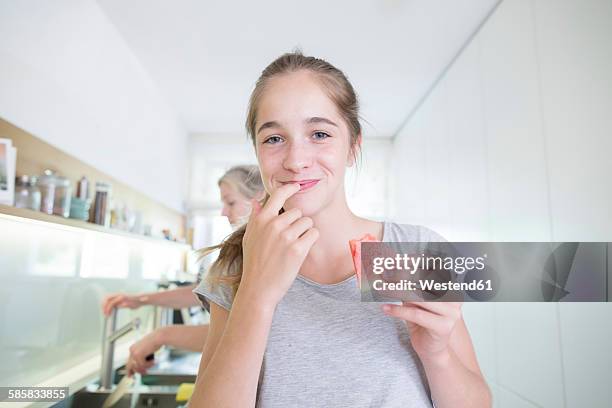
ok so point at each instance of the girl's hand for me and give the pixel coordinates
(274, 247)
(430, 325)
(141, 353)
(120, 300)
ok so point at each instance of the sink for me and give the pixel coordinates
(158, 387)
(148, 396)
(161, 378)
(179, 367)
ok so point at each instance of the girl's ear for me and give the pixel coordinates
(354, 151)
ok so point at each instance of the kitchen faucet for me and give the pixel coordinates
(109, 337)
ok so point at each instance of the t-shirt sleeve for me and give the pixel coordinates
(428, 235)
(413, 233)
(217, 293)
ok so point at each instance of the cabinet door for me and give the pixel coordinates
(529, 352)
(586, 330)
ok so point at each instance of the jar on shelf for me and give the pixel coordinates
(101, 209)
(34, 195)
(63, 194)
(83, 189)
(46, 183)
(22, 194)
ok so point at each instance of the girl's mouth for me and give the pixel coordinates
(305, 185)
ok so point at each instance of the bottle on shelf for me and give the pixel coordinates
(46, 183)
(63, 195)
(22, 193)
(83, 189)
(34, 195)
(101, 211)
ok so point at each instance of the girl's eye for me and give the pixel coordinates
(272, 140)
(231, 203)
(320, 135)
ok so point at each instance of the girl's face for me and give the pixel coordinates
(301, 137)
(236, 207)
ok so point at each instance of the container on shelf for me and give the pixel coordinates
(79, 209)
(46, 183)
(101, 211)
(34, 195)
(83, 188)
(22, 194)
(63, 195)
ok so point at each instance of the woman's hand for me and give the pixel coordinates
(141, 353)
(274, 247)
(430, 325)
(120, 300)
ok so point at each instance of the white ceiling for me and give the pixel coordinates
(206, 55)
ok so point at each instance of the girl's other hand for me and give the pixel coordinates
(274, 247)
(430, 325)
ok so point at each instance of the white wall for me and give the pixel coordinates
(514, 144)
(68, 77)
(210, 156)
(367, 183)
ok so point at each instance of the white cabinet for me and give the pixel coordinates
(586, 333)
(529, 351)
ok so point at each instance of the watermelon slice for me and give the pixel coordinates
(355, 245)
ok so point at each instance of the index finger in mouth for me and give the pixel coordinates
(278, 198)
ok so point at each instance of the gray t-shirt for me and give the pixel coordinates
(326, 348)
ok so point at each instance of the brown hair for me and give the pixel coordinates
(227, 269)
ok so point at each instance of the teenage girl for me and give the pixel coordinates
(287, 325)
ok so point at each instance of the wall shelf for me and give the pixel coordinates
(35, 155)
(27, 214)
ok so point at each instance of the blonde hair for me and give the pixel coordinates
(245, 179)
(227, 268)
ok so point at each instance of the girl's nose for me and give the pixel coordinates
(298, 157)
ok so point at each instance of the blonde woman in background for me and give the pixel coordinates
(238, 186)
